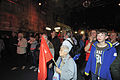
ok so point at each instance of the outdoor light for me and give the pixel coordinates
(57, 28)
(119, 4)
(75, 32)
(47, 28)
(82, 32)
(39, 4)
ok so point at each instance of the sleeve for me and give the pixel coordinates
(88, 65)
(68, 73)
(114, 54)
(86, 42)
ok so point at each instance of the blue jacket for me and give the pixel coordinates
(107, 57)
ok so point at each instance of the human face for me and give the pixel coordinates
(113, 36)
(53, 33)
(101, 37)
(13, 34)
(93, 33)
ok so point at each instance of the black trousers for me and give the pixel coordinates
(21, 60)
(115, 74)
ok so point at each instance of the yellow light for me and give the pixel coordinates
(75, 32)
(40, 4)
(118, 4)
(82, 32)
(56, 30)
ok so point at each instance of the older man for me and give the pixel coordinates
(67, 68)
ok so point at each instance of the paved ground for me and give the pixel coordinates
(7, 74)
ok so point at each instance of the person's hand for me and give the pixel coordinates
(58, 70)
(29, 41)
(86, 74)
(50, 65)
(91, 39)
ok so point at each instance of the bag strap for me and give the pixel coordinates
(59, 63)
(70, 42)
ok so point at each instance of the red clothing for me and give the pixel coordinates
(88, 54)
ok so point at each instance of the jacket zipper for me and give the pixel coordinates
(101, 64)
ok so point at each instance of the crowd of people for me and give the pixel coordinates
(96, 52)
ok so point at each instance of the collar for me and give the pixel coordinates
(116, 43)
(108, 42)
(68, 39)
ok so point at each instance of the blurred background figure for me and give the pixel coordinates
(34, 55)
(89, 42)
(21, 51)
(115, 67)
(56, 44)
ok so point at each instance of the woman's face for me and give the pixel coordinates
(93, 33)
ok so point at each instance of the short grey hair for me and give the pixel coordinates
(66, 48)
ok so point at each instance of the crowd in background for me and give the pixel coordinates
(24, 48)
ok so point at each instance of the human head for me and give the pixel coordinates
(93, 33)
(113, 36)
(53, 33)
(67, 34)
(20, 35)
(45, 37)
(13, 34)
(102, 35)
(32, 38)
(83, 36)
(64, 50)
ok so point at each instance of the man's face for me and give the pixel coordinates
(101, 37)
(93, 33)
(113, 36)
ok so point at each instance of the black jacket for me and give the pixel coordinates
(56, 43)
(115, 66)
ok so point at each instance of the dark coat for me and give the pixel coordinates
(115, 67)
(56, 44)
